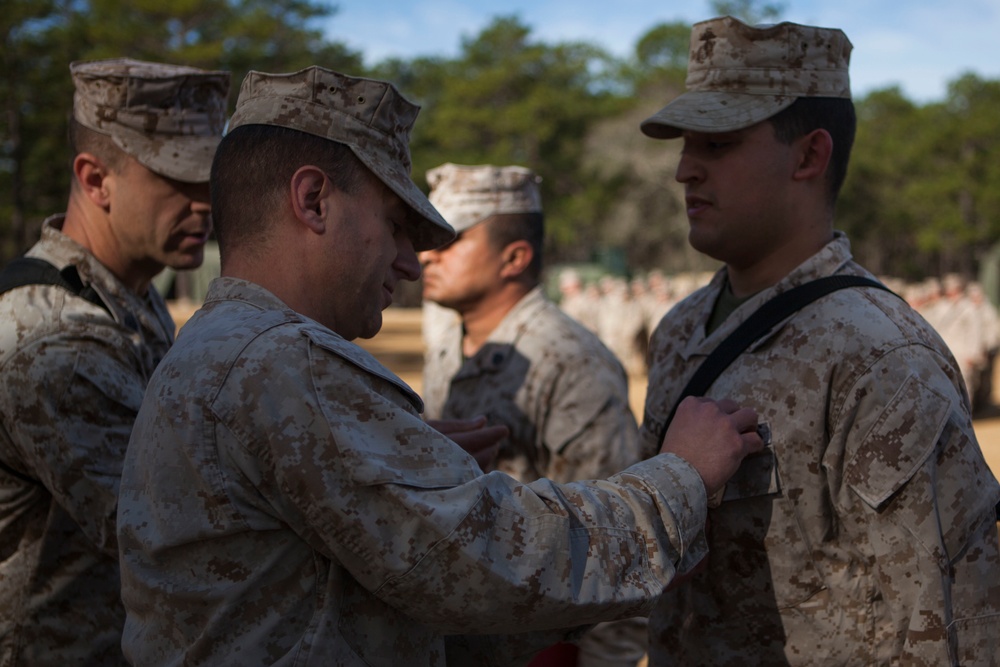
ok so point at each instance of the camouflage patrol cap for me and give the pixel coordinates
(467, 195)
(739, 75)
(168, 117)
(369, 116)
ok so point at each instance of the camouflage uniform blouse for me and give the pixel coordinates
(561, 392)
(283, 502)
(867, 535)
(564, 397)
(72, 381)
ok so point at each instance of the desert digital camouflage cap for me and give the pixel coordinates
(369, 116)
(168, 117)
(739, 75)
(467, 195)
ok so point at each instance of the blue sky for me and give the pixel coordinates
(919, 45)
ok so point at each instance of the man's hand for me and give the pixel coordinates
(713, 436)
(474, 436)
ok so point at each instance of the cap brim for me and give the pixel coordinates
(185, 158)
(460, 220)
(712, 112)
(432, 231)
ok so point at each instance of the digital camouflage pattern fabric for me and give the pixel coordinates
(558, 389)
(283, 502)
(469, 194)
(564, 397)
(73, 379)
(866, 535)
(561, 393)
(739, 75)
(168, 117)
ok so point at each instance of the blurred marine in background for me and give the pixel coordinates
(516, 358)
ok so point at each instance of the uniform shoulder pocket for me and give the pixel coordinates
(904, 436)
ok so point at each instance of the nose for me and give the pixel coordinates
(198, 193)
(426, 256)
(407, 264)
(687, 168)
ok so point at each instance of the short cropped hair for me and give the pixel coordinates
(82, 139)
(252, 168)
(836, 116)
(505, 228)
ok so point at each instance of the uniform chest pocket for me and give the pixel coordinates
(757, 475)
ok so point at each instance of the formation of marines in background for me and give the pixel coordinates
(264, 491)
(623, 312)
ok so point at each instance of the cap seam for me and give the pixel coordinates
(296, 100)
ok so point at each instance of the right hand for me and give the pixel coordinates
(475, 437)
(713, 436)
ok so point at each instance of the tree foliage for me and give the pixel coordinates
(922, 194)
(751, 12)
(42, 37)
(509, 99)
(34, 59)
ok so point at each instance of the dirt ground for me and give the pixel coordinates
(400, 347)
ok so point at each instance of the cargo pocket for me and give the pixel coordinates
(899, 443)
(974, 640)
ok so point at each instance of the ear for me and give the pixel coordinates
(91, 175)
(309, 190)
(814, 155)
(516, 257)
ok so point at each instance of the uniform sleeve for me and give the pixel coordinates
(917, 484)
(666, 378)
(69, 404)
(589, 427)
(409, 515)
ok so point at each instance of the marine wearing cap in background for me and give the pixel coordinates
(466, 195)
(333, 523)
(515, 356)
(866, 534)
(75, 358)
(168, 117)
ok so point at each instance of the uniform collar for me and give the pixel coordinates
(127, 307)
(225, 288)
(830, 259)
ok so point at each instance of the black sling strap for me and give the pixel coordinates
(760, 322)
(755, 326)
(33, 271)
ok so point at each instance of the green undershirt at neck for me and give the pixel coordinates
(724, 307)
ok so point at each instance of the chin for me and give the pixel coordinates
(707, 245)
(186, 262)
(369, 329)
(430, 295)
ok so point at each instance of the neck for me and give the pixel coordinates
(479, 321)
(88, 226)
(759, 273)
